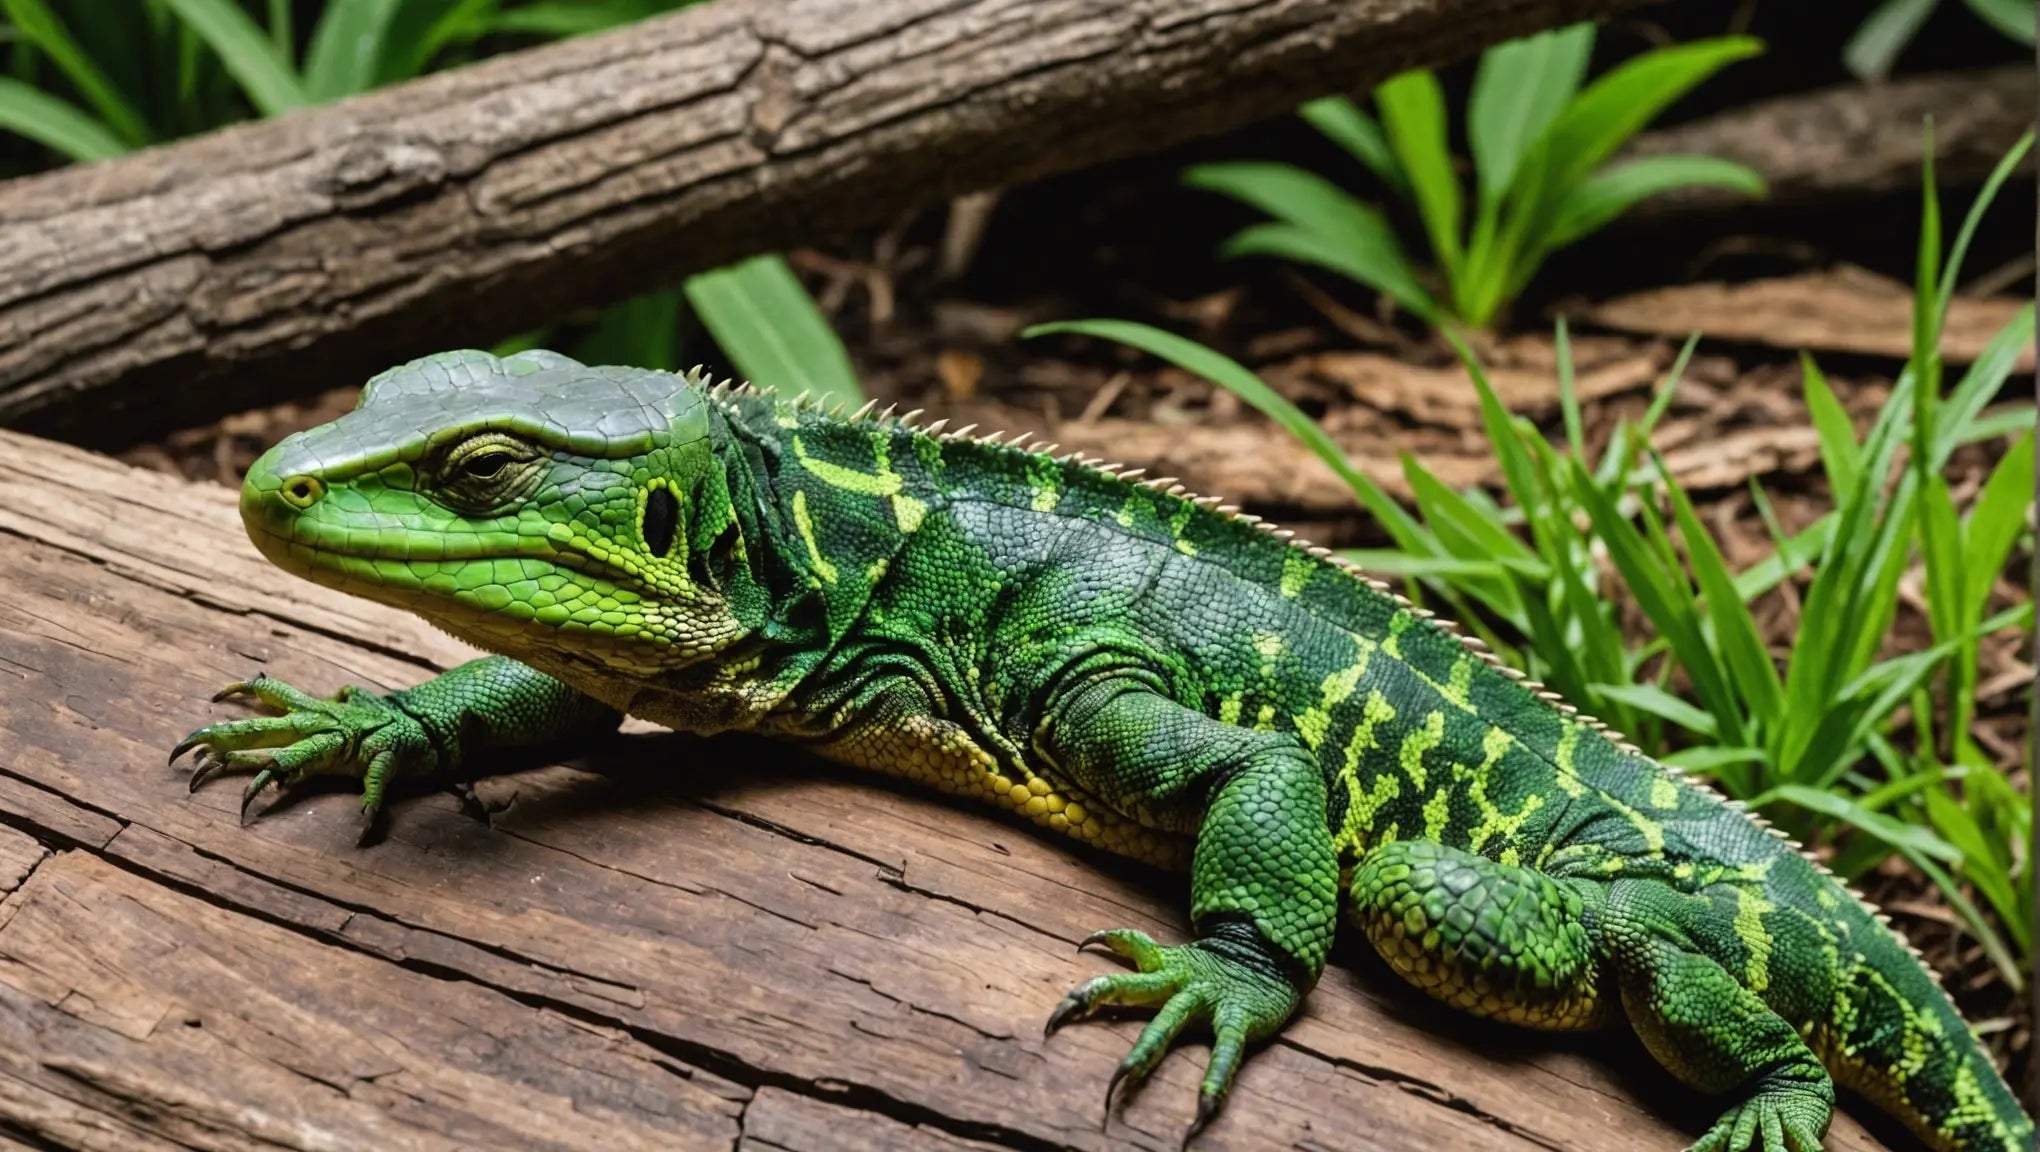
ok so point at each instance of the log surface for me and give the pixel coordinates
(276, 258)
(675, 944)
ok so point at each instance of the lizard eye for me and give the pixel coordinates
(484, 465)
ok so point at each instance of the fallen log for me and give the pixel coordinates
(709, 944)
(1851, 141)
(270, 260)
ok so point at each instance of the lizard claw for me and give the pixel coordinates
(254, 786)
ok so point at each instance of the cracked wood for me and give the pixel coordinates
(277, 258)
(765, 956)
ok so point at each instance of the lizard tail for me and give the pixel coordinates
(1895, 1037)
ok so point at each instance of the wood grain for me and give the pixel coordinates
(277, 258)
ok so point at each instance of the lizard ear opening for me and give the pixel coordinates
(662, 516)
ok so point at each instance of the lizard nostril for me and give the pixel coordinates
(303, 491)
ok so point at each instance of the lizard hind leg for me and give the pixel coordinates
(1493, 939)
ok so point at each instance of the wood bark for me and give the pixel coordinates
(704, 944)
(275, 258)
(1853, 140)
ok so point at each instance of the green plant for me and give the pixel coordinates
(1540, 148)
(1707, 694)
(1891, 26)
(89, 81)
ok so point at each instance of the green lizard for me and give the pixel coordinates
(1112, 658)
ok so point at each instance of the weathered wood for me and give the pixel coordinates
(1853, 140)
(277, 258)
(667, 935)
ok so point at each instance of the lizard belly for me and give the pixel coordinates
(943, 755)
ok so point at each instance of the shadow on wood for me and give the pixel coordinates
(704, 944)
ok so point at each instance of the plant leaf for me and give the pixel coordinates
(1995, 522)
(54, 124)
(37, 24)
(2014, 18)
(1518, 90)
(1380, 268)
(1882, 35)
(1888, 829)
(1592, 203)
(347, 47)
(1840, 455)
(1413, 114)
(1658, 702)
(246, 51)
(1356, 132)
(771, 330)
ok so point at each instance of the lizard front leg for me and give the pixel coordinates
(493, 702)
(1264, 876)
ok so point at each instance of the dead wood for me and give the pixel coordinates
(277, 258)
(708, 943)
(1853, 140)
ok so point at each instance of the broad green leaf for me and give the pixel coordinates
(1234, 377)
(643, 332)
(1380, 267)
(1658, 702)
(1610, 111)
(771, 330)
(1892, 831)
(54, 124)
(246, 51)
(2014, 18)
(1347, 126)
(1518, 90)
(1882, 35)
(37, 24)
(1300, 197)
(347, 47)
(1840, 455)
(1592, 203)
(1413, 114)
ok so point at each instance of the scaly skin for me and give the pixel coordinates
(1112, 660)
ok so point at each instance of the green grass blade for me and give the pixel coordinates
(1346, 125)
(1983, 381)
(1984, 198)
(1894, 832)
(54, 124)
(1995, 523)
(1710, 759)
(422, 29)
(1664, 600)
(1840, 455)
(346, 51)
(1882, 35)
(1413, 115)
(1972, 919)
(1735, 630)
(246, 51)
(1234, 377)
(1927, 315)
(555, 19)
(1518, 90)
(36, 23)
(771, 330)
(1589, 205)
(643, 332)
(1658, 702)
(1568, 396)
(1381, 268)
(1389, 562)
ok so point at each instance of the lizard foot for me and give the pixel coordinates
(1225, 980)
(352, 733)
(1783, 1119)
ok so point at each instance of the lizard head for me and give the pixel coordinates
(528, 504)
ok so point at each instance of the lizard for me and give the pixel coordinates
(1153, 673)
